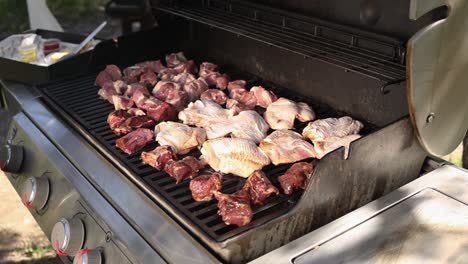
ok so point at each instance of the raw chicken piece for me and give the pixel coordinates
(133, 123)
(188, 67)
(180, 170)
(214, 95)
(114, 72)
(136, 112)
(237, 107)
(235, 208)
(282, 113)
(332, 127)
(136, 88)
(135, 140)
(204, 186)
(180, 137)
(171, 93)
(248, 125)
(195, 88)
(121, 102)
(234, 155)
(286, 146)
(159, 157)
(175, 59)
(204, 113)
(149, 79)
(329, 144)
(264, 97)
(183, 78)
(207, 68)
(295, 177)
(260, 187)
(116, 118)
(161, 111)
(133, 73)
(102, 78)
(154, 66)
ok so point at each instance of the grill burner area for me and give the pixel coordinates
(88, 114)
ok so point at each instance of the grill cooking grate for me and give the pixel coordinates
(78, 102)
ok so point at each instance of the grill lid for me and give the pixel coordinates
(437, 69)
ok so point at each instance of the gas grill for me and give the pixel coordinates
(341, 58)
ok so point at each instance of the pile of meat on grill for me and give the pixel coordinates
(184, 106)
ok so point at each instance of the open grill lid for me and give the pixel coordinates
(437, 76)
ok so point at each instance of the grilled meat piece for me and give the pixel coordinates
(286, 146)
(158, 157)
(282, 113)
(329, 144)
(154, 66)
(180, 137)
(107, 91)
(234, 155)
(203, 113)
(102, 78)
(114, 72)
(133, 73)
(136, 112)
(175, 59)
(136, 88)
(187, 67)
(171, 93)
(207, 68)
(264, 97)
(214, 95)
(149, 78)
(135, 140)
(295, 177)
(161, 111)
(121, 102)
(183, 78)
(116, 118)
(195, 88)
(180, 170)
(133, 123)
(332, 127)
(235, 208)
(204, 186)
(260, 187)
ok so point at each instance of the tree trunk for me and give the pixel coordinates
(465, 152)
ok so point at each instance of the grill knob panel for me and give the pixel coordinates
(11, 158)
(86, 256)
(67, 236)
(36, 192)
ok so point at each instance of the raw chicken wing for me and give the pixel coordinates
(286, 146)
(180, 137)
(327, 145)
(204, 113)
(282, 113)
(332, 127)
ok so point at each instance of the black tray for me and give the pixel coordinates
(33, 74)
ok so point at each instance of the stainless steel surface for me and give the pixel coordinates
(109, 183)
(68, 236)
(11, 157)
(92, 256)
(421, 219)
(35, 192)
(437, 59)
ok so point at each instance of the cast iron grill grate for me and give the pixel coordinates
(77, 101)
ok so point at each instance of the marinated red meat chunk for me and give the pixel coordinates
(188, 67)
(183, 78)
(133, 123)
(167, 74)
(114, 72)
(188, 167)
(121, 102)
(116, 118)
(161, 111)
(195, 88)
(236, 85)
(222, 81)
(211, 77)
(135, 140)
(295, 177)
(235, 208)
(204, 186)
(175, 59)
(260, 187)
(154, 66)
(119, 86)
(248, 99)
(159, 157)
(207, 68)
(136, 88)
(133, 73)
(171, 93)
(149, 78)
(162, 89)
(148, 102)
(264, 97)
(214, 95)
(136, 112)
(107, 92)
(237, 106)
(102, 78)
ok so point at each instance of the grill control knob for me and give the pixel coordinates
(11, 158)
(35, 192)
(68, 236)
(88, 256)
